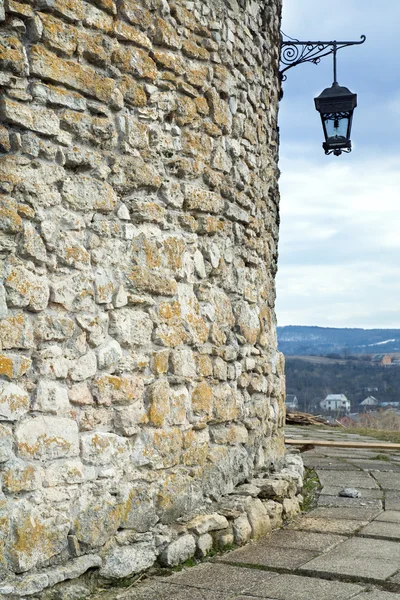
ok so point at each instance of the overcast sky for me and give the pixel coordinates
(339, 252)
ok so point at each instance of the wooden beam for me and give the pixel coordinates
(377, 445)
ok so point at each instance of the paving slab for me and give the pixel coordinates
(296, 587)
(376, 465)
(392, 500)
(220, 577)
(322, 525)
(328, 464)
(338, 502)
(303, 540)
(377, 595)
(388, 481)
(263, 555)
(381, 529)
(330, 490)
(359, 513)
(389, 516)
(165, 591)
(370, 559)
(357, 479)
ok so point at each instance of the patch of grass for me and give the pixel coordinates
(381, 457)
(379, 434)
(311, 489)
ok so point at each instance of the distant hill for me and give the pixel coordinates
(303, 340)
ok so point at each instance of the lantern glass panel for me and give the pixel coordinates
(337, 127)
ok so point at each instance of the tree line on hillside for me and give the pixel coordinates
(312, 382)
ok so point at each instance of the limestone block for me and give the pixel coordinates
(166, 35)
(135, 61)
(229, 434)
(241, 530)
(258, 518)
(179, 551)
(195, 447)
(16, 331)
(96, 327)
(204, 545)
(26, 585)
(179, 405)
(10, 221)
(85, 193)
(110, 389)
(19, 476)
(58, 35)
(142, 279)
(32, 244)
(271, 488)
(274, 510)
(71, 570)
(80, 394)
(206, 523)
(131, 327)
(14, 366)
(183, 363)
(51, 397)
(47, 438)
(139, 512)
(67, 472)
(3, 303)
(52, 363)
(128, 418)
(12, 55)
(39, 119)
(291, 507)
(14, 401)
(54, 327)
(248, 321)
(71, 253)
(47, 65)
(161, 448)
(128, 560)
(226, 403)
(132, 173)
(71, 10)
(159, 397)
(223, 539)
(6, 444)
(202, 200)
(57, 96)
(34, 538)
(84, 367)
(127, 33)
(100, 448)
(108, 356)
(96, 18)
(97, 517)
(25, 289)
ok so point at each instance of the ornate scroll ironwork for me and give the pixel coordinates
(295, 52)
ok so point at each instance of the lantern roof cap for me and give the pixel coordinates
(335, 90)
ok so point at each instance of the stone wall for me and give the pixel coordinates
(139, 376)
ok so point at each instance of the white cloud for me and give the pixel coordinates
(339, 243)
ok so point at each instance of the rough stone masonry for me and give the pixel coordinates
(141, 391)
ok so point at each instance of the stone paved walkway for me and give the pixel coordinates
(344, 548)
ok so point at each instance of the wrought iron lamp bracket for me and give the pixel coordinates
(295, 52)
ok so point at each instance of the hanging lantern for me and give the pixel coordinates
(336, 106)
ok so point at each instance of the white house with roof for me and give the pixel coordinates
(369, 402)
(292, 402)
(336, 403)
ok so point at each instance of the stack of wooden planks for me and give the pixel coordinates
(300, 418)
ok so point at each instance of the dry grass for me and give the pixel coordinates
(382, 425)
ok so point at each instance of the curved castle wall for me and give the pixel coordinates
(139, 375)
